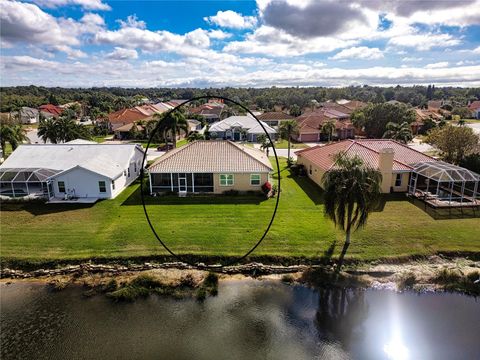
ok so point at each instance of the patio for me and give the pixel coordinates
(443, 185)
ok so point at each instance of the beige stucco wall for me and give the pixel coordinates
(388, 178)
(241, 182)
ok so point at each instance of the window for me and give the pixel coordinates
(310, 170)
(135, 167)
(254, 179)
(124, 172)
(128, 171)
(113, 184)
(102, 187)
(61, 186)
(398, 180)
(226, 179)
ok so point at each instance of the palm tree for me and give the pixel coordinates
(194, 136)
(18, 136)
(351, 191)
(286, 130)
(173, 123)
(47, 130)
(399, 132)
(328, 128)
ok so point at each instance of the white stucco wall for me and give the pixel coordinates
(80, 182)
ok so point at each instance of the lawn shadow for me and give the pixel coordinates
(210, 199)
(41, 208)
(384, 198)
(309, 187)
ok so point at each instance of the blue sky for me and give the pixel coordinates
(83, 43)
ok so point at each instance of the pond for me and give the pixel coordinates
(249, 319)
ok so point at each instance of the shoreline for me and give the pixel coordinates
(435, 273)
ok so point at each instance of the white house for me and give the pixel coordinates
(82, 172)
(240, 128)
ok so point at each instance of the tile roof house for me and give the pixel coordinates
(211, 111)
(145, 112)
(240, 128)
(27, 115)
(394, 160)
(52, 109)
(210, 167)
(310, 125)
(83, 171)
(474, 107)
(274, 118)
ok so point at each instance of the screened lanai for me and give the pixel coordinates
(18, 182)
(444, 185)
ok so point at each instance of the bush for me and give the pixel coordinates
(406, 281)
(266, 187)
(446, 276)
(231, 192)
(288, 278)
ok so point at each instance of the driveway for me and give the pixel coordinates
(475, 127)
(153, 153)
(418, 145)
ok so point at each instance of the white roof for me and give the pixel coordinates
(246, 122)
(81, 141)
(107, 160)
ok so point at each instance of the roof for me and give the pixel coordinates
(81, 141)
(275, 115)
(105, 159)
(245, 122)
(474, 105)
(52, 109)
(313, 121)
(368, 150)
(128, 127)
(212, 157)
(444, 172)
(126, 116)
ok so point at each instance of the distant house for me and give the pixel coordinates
(274, 118)
(240, 128)
(135, 114)
(56, 111)
(27, 115)
(310, 125)
(394, 160)
(123, 132)
(194, 125)
(421, 115)
(210, 167)
(210, 111)
(474, 107)
(78, 171)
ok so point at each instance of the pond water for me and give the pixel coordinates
(247, 320)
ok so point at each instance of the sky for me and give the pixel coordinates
(263, 43)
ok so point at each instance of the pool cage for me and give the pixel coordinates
(36, 182)
(444, 185)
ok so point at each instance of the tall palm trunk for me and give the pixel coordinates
(344, 250)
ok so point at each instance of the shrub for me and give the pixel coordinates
(188, 281)
(406, 281)
(201, 294)
(446, 276)
(288, 278)
(266, 187)
(231, 192)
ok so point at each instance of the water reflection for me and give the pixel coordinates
(247, 320)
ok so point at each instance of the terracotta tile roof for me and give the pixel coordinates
(312, 122)
(128, 127)
(127, 116)
(275, 115)
(354, 105)
(367, 150)
(52, 109)
(474, 105)
(212, 157)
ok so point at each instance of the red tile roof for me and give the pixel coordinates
(311, 122)
(367, 150)
(474, 105)
(127, 116)
(52, 109)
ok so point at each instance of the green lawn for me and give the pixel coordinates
(283, 144)
(222, 226)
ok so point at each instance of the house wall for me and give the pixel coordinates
(82, 183)
(241, 182)
(312, 170)
(405, 180)
(308, 137)
(135, 166)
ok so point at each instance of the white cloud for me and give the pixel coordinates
(85, 4)
(120, 53)
(360, 52)
(437, 65)
(218, 34)
(407, 58)
(476, 50)
(232, 19)
(424, 41)
(133, 22)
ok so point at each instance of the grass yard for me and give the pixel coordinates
(222, 226)
(283, 144)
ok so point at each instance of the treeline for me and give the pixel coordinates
(110, 99)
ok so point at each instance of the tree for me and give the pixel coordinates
(328, 128)
(463, 112)
(471, 162)
(264, 142)
(194, 136)
(375, 117)
(13, 133)
(286, 130)
(454, 142)
(399, 132)
(295, 110)
(47, 130)
(172, 123)
(351, 192)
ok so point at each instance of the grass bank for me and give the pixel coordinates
(223, 227)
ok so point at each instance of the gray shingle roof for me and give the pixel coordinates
(212, 157)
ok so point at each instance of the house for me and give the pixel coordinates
(56, 111)
(274, 118)
(421, 115)
(27, 115)
(394, 160)
(79, 171)
(210, 167)
(210, 111)
(474, 107)
(194, 125)
(310, 125)
(240, 128)
(124, 132)
(146, 112)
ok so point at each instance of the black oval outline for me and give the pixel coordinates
(142, 176)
